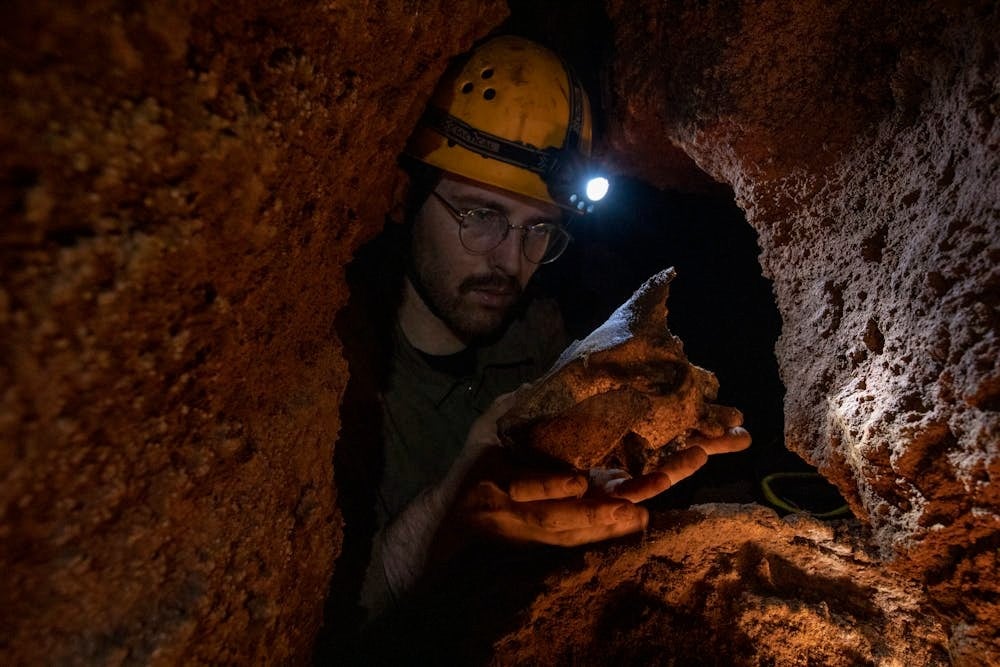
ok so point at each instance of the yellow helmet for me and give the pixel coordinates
(511, 115)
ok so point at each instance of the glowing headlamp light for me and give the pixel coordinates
(597, 187)
(574, 183)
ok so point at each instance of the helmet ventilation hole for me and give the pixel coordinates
(467, 87)
(487, 73)
(489, 94)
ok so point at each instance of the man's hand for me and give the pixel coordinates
(484, 493)
(497, 500)
(542, 508)
(681, 465)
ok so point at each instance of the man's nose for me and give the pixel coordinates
(507, 256)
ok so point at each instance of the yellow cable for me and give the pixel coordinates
(788, 505)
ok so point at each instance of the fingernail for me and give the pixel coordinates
(623, 512)
(575, 486)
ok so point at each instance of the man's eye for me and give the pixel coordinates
(486, 216)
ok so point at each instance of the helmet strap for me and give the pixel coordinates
(457, 131)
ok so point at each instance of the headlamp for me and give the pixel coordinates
(574, 182)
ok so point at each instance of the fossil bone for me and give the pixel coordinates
(625, 396)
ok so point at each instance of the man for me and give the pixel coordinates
(495, 165)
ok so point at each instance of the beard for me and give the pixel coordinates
(466, 316)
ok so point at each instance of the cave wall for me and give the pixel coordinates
(181, 186)
(861, 140)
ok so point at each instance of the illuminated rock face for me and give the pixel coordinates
(181, 190)
(729, 585)
(862, 143)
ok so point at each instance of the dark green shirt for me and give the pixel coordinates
(430, 403)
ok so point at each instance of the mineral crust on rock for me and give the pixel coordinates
(622, 397)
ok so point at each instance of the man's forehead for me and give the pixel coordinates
(474, 192)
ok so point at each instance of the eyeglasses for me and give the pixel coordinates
(481, 230)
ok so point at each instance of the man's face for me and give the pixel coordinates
(472, 293)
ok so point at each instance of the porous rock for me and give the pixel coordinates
(862, 142)
(181, 186)
(730, 585)
(623, 397)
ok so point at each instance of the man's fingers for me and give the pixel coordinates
(547, 487)
(562, 530)
(483, 497)
(571, 538)
(569, 514)
(733, 440)
(683, 464)
(552, 509)
(640, 488)
(541, 520)
(509, 527)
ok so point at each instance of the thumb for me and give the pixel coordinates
(483, 432)
(501, 405)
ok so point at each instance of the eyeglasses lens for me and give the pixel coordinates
(484, 229)
(536, 242)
